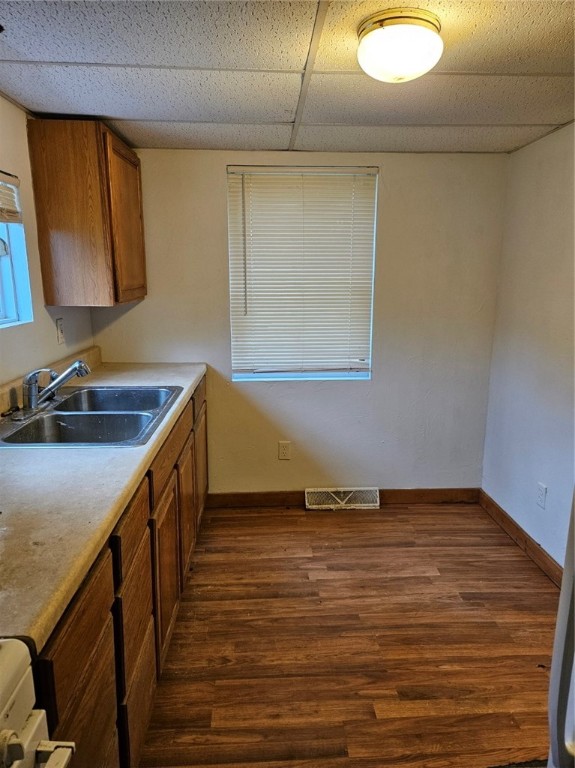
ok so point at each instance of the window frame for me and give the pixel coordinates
(15, 294)
(358, 190)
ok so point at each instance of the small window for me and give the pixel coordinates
(15, 298)
(301, 245)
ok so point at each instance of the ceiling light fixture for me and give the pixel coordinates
(399, 44)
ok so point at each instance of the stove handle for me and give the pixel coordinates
(55, 754)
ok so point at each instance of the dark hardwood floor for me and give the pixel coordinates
(408, 636)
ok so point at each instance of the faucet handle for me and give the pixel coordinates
(30, 388)
(32, 377)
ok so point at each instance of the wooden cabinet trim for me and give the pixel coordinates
(201, 463)
(187, 495)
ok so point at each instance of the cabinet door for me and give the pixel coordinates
(72, 212)
(90, 721)
(134, 712)
(187, 504)
(133, 612)
(201, 463)
(69, 651)
(166, 560)
(126, 219)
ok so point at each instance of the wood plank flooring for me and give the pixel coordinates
(408, 636)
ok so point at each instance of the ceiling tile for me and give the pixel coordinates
(153, 94)
(199, 35)
(159, 135)
(352, 138)
(205, 73)
(488, 36)
(436, 99)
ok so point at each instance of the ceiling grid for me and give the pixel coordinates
(277, 74)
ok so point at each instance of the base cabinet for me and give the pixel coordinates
(97, 675)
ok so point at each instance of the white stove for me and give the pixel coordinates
(23, 729)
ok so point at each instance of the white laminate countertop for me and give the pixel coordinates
(58, 505)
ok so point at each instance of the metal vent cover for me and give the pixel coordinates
(342, 498)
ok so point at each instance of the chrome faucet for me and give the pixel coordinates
(33, 396)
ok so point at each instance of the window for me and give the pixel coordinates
(302, 244)
(15, 298)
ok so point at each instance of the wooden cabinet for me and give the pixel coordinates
(166, 549)
(134, 625)
(97, 674)
(76, 672)
(177, 501)
(89, 212)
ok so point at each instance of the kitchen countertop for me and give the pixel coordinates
(58, 505)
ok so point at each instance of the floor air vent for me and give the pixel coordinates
(341, 498)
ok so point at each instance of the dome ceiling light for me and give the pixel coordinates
(399, 44)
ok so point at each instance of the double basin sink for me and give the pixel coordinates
(95, 416)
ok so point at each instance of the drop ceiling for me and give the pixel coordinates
(278, 75)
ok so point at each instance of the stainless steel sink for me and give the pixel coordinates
(94, 416)
(116, 398)
(82, 428)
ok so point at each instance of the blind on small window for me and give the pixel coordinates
(10, 211)
(301, 245)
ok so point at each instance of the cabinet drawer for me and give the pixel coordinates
(134, 712)
(133, 611)
(90, 719)
(68, 654)
(164, 462)
(128, 533)
(199, 397)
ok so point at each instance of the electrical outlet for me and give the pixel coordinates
(541, 495)
(284, 450)
(60, 330)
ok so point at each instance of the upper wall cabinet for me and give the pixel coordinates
(89, 211)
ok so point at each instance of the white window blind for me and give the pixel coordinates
(10, 211)
(301, 245)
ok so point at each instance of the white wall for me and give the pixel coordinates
(420, 421)
(530, 421)
(32, 345)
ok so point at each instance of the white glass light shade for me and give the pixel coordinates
(398, 50)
